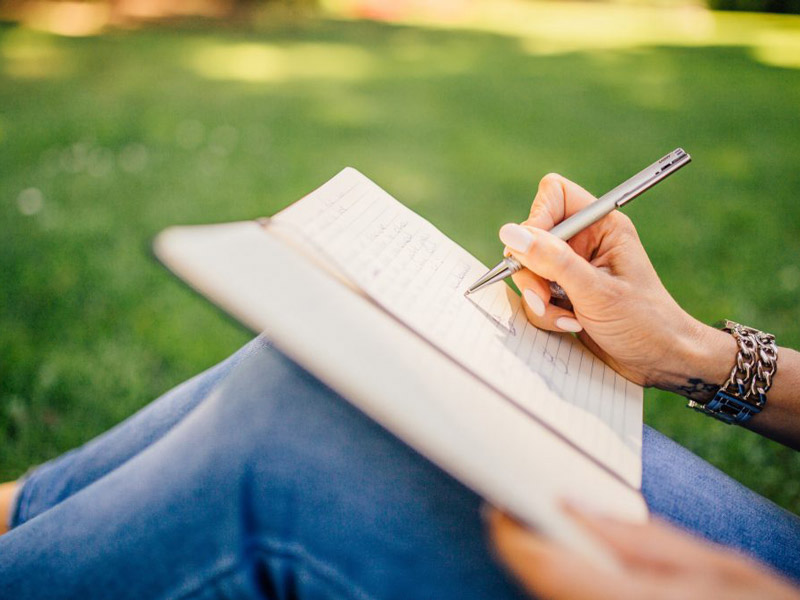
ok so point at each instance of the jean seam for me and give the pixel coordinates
(16, 500)
(295, 553)
(324, 571)
(20, 511)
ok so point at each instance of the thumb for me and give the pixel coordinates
(551, 258)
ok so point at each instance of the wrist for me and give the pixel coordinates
(704, 359)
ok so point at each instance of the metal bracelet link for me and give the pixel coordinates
(745, 391)
(756, 363)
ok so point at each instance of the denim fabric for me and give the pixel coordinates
(687, 491)
(254, 480)
(74, 470)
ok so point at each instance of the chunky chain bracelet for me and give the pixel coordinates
(745, 391)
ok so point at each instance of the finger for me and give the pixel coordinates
(551, 258)
(657, 551)
(540, 312)
(556, 199)
(655, 545)
(550, 570)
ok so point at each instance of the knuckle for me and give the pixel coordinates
(536, 212)
(569, 274)
(551, 184)
(550, 179)
(621, 219)
(549, 199)
(556, 255)
(623, 223)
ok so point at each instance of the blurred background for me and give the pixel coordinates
(118, 119)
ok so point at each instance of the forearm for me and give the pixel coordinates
(780, 420)
(707, 357)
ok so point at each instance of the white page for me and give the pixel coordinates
(419, 275)
(373, 361)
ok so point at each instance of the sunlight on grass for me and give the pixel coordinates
(30, 55)
(262, 63)
(547, 28)
(778, 48)
(242, 62)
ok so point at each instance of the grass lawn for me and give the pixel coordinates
(106, 140)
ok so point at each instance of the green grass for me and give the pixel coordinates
(106, 140)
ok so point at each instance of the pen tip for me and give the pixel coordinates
(467, 293)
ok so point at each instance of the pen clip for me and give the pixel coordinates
(651, 175)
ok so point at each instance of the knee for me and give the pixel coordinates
(261, 380)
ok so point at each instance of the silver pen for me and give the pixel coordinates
(619, 196)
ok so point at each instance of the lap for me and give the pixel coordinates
(320, 488)
(275, 475)
(682, 488)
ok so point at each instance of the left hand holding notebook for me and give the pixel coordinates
(656, 560)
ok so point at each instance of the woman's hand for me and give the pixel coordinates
(620, 309)
(657, 560)
(622, 312)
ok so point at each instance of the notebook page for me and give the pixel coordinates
(444, 413)
(419, 275)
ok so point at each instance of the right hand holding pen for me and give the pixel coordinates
(620, 308)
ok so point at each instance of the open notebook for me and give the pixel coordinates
(369, 296)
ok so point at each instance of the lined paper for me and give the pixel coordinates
(419, 275)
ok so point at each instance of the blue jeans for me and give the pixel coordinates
(254, 480)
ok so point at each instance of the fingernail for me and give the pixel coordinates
(567, 324)
(516, 237)
(535, 303)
